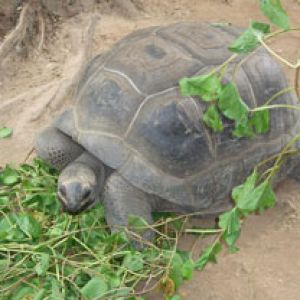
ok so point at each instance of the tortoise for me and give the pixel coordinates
(131, 137)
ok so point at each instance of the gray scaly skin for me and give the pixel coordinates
(133, 138)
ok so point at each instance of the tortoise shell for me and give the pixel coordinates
(128, 112)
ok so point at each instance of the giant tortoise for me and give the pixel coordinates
(132, 140)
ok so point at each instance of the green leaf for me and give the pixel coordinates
(231, 104)
(114, 280)
(249, 39)
(133, 261)
(55, 290)
(9, 176)
(268, 198)
(243, 128)
(187, 269)
(176, 274)
(212, 119)
(29, 226)
(43, 264)
(208, 87)
(40, 295)
(230, 222)
(22, 292)
(137, 224)
(9, 229)
(275, 12)
(209, 254)
(5, 132)
(260, 120)
(95, 288)
(243, 190)
(262, 27)
(249, 198)
(246, 43)
(250, 202)
(4, 200)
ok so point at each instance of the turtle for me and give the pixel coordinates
(132, 140)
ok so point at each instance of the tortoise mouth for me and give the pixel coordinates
(74, 209)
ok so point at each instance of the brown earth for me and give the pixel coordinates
(268, 264)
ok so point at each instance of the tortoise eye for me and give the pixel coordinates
(86, 193)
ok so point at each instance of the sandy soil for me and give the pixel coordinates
(267, 266)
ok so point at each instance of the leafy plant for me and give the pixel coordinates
(46, 253)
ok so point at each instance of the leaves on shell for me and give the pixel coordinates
(250, 38)
(207, 87)
(225, 100)
(212, 119)
(231, 104)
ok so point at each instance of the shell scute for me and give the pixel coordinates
(169, 138)
(153, 64)
(107, 104)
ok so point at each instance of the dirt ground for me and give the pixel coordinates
(268, 264)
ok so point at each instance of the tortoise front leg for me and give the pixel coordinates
(56, 148)
(121, 199)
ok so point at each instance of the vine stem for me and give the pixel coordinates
(264, 107)
(285, 150)
(203, 231)
(283, 60)
(281, 31)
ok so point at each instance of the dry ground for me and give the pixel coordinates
(268, 265)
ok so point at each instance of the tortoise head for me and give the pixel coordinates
(79, 187)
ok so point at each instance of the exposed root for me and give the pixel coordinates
(33, 93)
(127, 8)
(68, 86)
(17, 35)
(42, 28)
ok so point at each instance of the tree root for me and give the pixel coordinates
(42, 29)
(68, 86)
(33, 93)
(18, 34)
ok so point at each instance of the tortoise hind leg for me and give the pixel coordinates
(121, 199)
(56, 148)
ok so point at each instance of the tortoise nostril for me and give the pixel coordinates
(62, 190)
(86, 193)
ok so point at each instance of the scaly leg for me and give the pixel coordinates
(56, 148)
(121, 199)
